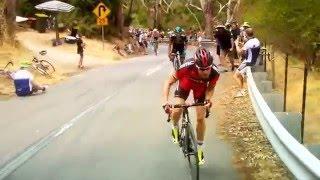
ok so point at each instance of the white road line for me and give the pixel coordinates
(157, 68)
(34, 149)
(31, 151)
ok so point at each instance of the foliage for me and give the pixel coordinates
(294, 26)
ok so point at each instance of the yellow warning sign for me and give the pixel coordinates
(102, 21)
(101, 10)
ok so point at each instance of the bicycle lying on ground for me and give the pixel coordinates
(6, 70)
(44, 67)
(187, 139)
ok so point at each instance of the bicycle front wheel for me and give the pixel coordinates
(45, 68)
(193, 145)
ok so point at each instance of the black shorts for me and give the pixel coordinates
(185, 94)
(80, 53)
(220, 48)
(181, 52)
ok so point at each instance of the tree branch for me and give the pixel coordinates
(194, 15)
(144, 4)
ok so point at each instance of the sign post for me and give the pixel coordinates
(102, 11)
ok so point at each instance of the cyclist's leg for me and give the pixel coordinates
(182, 56)
(176, 112)
(201, 125)
(201, 128)
(36, 87)
(180, 98)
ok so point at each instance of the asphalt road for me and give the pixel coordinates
(105, 124)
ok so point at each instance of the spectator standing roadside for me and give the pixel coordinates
(250, 51)
(242, 36)
(224, 46)
(235, 33)
(80, 48)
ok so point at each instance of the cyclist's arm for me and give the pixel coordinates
(210, 91)
(210, 88)
(167, 85)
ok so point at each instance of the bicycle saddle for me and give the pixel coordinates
(44, 52)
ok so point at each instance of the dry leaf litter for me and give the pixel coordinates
(253, 154)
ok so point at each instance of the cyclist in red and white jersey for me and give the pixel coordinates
(200, 75)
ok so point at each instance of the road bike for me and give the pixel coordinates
(44, 67)
(176, 60)
(6, 70)
(187, 139)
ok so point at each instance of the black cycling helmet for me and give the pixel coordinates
(203, 58)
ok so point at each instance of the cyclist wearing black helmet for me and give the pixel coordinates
(178, 43)
(200, 75)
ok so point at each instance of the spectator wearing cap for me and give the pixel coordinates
(242, 36)
(224, 45)
(250, 52)
(24, 82)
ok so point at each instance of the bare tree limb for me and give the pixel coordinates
(194, 15)
(144, 4)
(167, 9)
(194, 6)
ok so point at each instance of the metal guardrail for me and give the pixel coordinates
(301, 163)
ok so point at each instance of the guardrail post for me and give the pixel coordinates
(304, 96)
(286, 83)
(265, 57)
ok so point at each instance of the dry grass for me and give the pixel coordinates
(294, 93)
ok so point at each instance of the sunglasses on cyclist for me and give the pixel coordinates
(204, 69)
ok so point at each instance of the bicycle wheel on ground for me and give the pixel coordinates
(176, 63)
(193, 146)
(155, 46)
(8, 66)
(45, 68)
(6, 69)
(184, 143)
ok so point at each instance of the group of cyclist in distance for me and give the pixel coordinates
(200, 75)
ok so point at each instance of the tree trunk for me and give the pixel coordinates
(232, 9)
(10, 14)
(208, 15)
(120, 19)
(2, 23)
(156, 11)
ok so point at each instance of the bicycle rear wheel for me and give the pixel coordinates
(45, 67)
(8, 66)
(6, 69)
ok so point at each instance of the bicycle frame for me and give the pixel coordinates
(187, 134)
(186, 124)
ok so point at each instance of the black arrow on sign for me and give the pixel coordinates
(103, 8)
